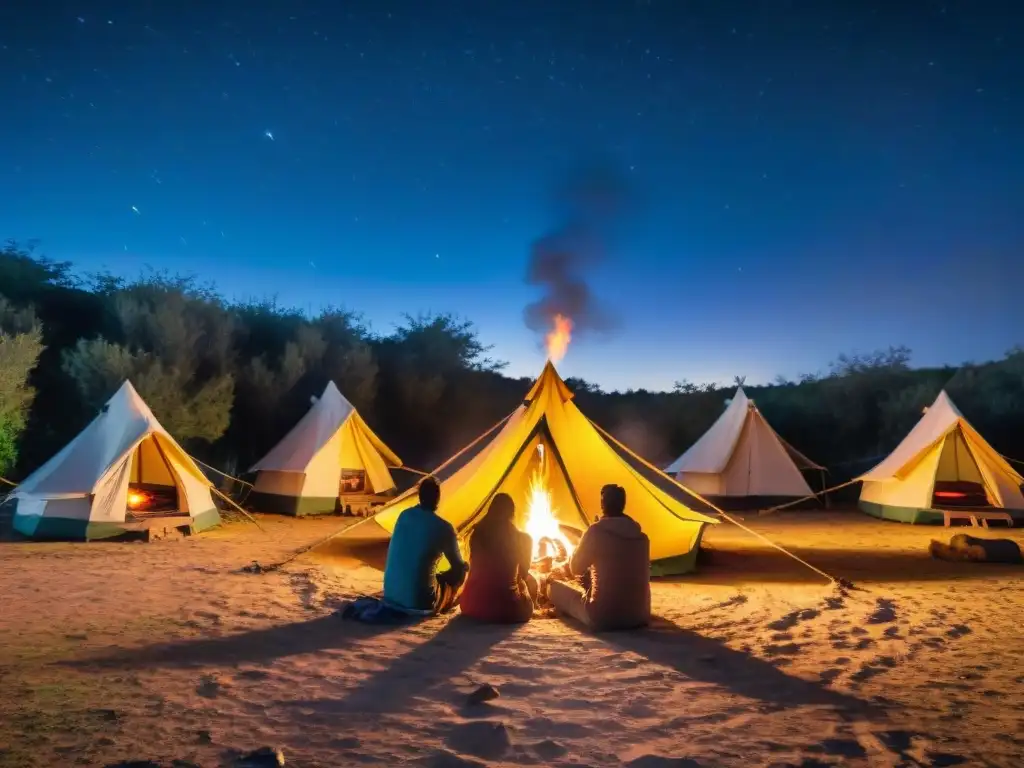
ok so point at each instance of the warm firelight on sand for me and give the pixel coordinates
(541, 522)
(558, 338)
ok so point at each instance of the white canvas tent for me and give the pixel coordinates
(83, 491)
(942, 451)
(742, 459)
(331, 445)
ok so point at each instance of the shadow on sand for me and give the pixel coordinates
(257, 646)
(710, 661)
(443, 658)
(348, 553)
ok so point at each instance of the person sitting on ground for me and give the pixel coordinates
(613, 560)
(500, 588)
(420, 538)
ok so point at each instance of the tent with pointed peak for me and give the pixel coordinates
(329, 457)
(580, 458)
(942, 463)
(122, 473)
(742, 462)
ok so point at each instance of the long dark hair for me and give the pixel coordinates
(492, 532)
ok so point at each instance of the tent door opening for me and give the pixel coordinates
(958, 481)
(152, 488)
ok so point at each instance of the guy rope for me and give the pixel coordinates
(752, 532)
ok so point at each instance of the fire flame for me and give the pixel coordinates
(136, 499)
(558, 338)
(541, 522)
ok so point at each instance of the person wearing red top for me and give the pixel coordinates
(500, 589)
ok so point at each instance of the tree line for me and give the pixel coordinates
(230, 379)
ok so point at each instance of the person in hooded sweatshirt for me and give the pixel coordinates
(613, 561)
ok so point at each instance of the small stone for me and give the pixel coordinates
(484, 693)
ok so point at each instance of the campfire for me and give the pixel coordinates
(551, 547)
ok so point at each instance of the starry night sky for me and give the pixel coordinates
(816, 177)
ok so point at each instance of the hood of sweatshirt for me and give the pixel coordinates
(621, 527)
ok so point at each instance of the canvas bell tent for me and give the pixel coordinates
(551, 459)
(330, 458)
(942, 463)
(742, 462)
(123, 473)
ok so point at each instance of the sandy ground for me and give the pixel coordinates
(168, 651)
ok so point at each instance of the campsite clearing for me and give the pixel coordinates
(169, 650)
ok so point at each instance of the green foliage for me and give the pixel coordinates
(176, 346)
(21, 344)
(9, 434)
(237, 377)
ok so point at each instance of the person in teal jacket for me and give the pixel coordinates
(411, 580)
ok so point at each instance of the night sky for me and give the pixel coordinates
(815, 177)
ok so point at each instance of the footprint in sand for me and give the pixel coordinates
(958, 630)
(486, 739)
(790, 620)
(884, 612)
(304, 586)
(834, 603)
(548, 750)
(829, 676)
(782, 649)
(209, 687)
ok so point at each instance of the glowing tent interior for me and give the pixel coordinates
(943, 462)
(123, 473)
(553, 461)
(330, 457)
(742, 462)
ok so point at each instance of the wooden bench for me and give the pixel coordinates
(976, 517)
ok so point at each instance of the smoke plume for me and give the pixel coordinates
(589, 206)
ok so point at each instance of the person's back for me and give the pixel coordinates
(614, 560)
(618, 556)
(418, 542)
(497, 588)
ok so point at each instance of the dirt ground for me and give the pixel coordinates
(170, 650)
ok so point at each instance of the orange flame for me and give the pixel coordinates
(136, 499)
(541, 516)
(558, 338)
